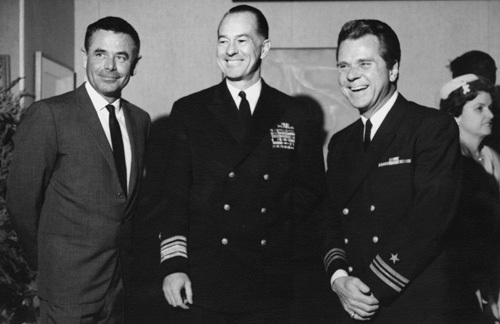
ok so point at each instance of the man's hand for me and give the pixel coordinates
(494, 302)
(173, 286)
(355, 297)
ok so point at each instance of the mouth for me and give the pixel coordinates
(233, 62)
(359, 88)
(109, 78)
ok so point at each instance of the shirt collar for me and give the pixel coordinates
(379, 116)
(252, 93)
(98, 101)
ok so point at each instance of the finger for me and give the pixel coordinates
(167, 295)
(189, 292)
(365, 299)
(184, 306)
(176, 296)
(360, 285)
(360, 318)
(171, 298)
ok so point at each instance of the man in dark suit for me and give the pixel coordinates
(245, 161)
(392, 184)
(74, 178)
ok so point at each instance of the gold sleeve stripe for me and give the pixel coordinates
(172, 247)
(332, 255)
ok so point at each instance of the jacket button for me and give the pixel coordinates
(350, 269)
(227, 207)
(231, 174)
(263, 210)
(263, 242)
(345, 211)
(372, 208)
(346, 240)
(120, 195)
(224, 241)
(266, 176)
(375, 239)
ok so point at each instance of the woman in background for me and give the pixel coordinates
(475, 235)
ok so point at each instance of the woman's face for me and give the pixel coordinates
(476, 118)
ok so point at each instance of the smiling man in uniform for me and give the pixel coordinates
(245, 162)
(392, 184)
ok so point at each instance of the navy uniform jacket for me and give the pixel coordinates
(230, 200)
(65, 197)
(387, 209)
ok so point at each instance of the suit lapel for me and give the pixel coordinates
(225, 111)
(88, 114)
(378, 146)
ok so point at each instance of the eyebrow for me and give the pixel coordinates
(237, 36)
(100, 50)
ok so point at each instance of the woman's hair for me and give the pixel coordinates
(457, 92)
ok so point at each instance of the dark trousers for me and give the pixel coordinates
(197, 315)
(109, 310)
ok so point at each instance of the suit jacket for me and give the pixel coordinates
(65, 198)
(232, 199)
(388, 208)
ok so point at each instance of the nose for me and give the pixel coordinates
(110, 64)
(231, 48)
(352, 73)
(488, 113)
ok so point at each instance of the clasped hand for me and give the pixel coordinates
(174, 285)
(355, 297)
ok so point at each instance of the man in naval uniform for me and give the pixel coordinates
(392, 189)
(245, 162)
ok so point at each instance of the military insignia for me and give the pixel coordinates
(394, 161)
(388, 275)
(283, 136)
(332, 255)
(394, 258)
(173, 246)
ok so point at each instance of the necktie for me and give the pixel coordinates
(368, 131)
(245, 114)
(118, 151)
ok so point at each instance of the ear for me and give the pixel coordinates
(84, 58)
(133, 68)
(266, 46)
(394, 72)
(457, 119)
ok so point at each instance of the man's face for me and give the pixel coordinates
(240, 48)
(109, 62)
(365, 79)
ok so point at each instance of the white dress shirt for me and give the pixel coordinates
(100, 106)
(252, 94)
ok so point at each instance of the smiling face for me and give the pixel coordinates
(364, 78)
(109, 62)
(240, 49)
(476, 118)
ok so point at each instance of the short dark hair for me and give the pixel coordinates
(475, 62)
(390, 49)
(114, 24)
(457, 99)
(262, 25)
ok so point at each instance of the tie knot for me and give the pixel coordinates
(368, 124)
(242, 94)
(111, 109)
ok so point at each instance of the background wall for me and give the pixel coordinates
(9, 33)
(179, 37)
(48, 26)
